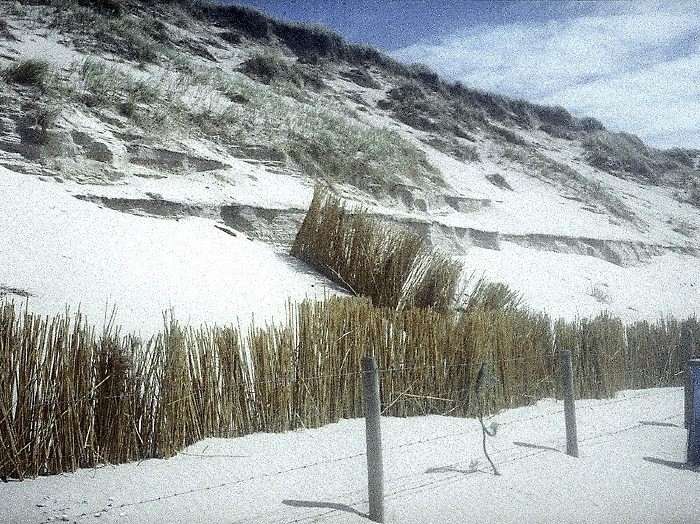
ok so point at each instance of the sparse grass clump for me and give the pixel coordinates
(574, 183)
(693, 195)
(142, 37)
(31, 72)
(331, 146)
(109, 7)
(684, 227)
(395, 269)
(507, 135)
(247, 20)
(102, 85)
(500, 181)
(600, 294)
(44, 118)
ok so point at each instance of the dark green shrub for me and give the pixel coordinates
(310, 40)
(499, 180)
(155, 29)
(681, 156)
(5, 33)
(109, 7)
(493, 105)
(407, 92)
(361, 77)
(694, 196)
(137, 45)
(553, 115)
(231, 37)
(620, 153)
(46, 117)
(508, 135)
(590, 124)
(425, 75)
(313, 42)
(38, 120)
(269, 67)
(4, 27)
(247, 20)
(31, 72)
(557, 132)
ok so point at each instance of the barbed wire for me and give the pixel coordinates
(598, 405)
(461, 475)
(256, 383)
(251, 478)
(245, 385)
(627, 428)
(201, 391)
(400, 446)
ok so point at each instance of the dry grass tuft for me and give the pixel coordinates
(491, 296)
(395, 269)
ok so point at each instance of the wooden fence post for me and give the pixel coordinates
(687, 390)
(373, 433)
(567, 379)
(693, 413)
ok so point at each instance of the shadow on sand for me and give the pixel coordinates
(536, 446)
(654, 423)
(673, 464)
(323, 505)
(452, 469)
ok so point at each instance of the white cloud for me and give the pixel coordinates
(636, 67)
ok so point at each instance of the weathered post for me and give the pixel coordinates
(693, 456)
(373, 432)
(687, 390)
(567, 379)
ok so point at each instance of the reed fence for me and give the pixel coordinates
(72, 397)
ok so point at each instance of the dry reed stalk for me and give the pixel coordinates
(656, 352)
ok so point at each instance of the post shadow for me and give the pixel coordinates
(673, 464)
(536, 446)
(655, 423)
(451, 469)
(323, 505)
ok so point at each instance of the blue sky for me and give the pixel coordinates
(634, 65)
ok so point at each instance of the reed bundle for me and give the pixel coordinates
(395, 268)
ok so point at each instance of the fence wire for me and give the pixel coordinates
(397, 493)
(401, 490)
